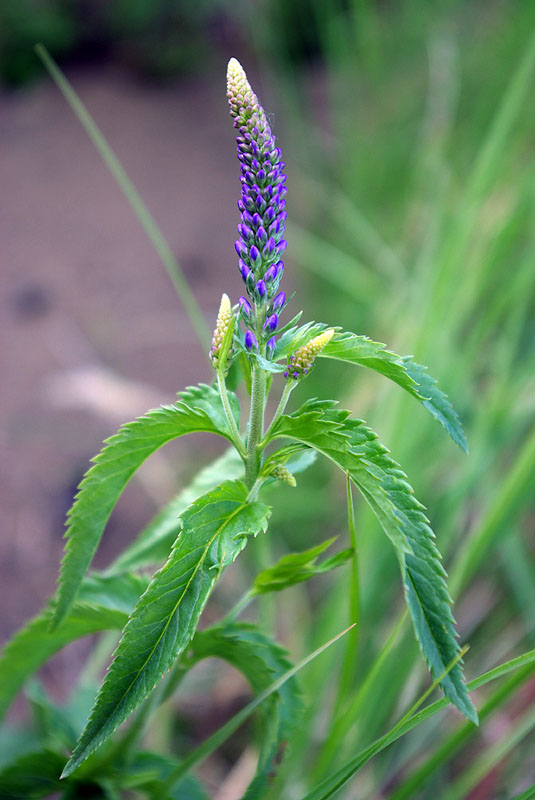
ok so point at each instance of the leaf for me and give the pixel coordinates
(198, 409)
(146, 771)
(155, 541)
(104, 604)
(32, 775)
(403, 370)
(298, 567)
(356, 449)
(262, 661)
(214, 530)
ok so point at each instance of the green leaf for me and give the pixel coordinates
(403, 370)
(262, 661)
(155, 541)
(213, 531)
(146, 771)
(356, 450)
(198, 409)
(32, 775)
(298, 567)
(103, 604)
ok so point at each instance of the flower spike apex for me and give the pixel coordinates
(224, 319)
(302, 361)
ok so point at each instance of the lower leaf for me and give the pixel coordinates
(214, 530)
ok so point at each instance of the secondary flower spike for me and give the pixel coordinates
(262, 203)
(301, 362)
(224, 318)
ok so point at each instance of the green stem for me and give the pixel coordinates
(288, 389)
(235, 434)
(256, 423)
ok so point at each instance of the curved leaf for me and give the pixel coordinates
(356, 449)
(104, 604)
(214, 530)
(403, 370)
(261, 660)
(198, 409)
(297, 568)
(155, 541)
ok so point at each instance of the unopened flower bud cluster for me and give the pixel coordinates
(301, 362)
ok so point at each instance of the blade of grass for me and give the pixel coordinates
(226, 730)
(328, 788)
(177, 277)
(489, 759)
(442, 754)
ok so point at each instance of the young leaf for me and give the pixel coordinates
(262, 661)
(103, 604)
(198, 409)
(32, 775)
(356, 450)
(155, 541)
(298, 567)
(213, 531)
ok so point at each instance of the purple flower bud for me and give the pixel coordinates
(260, 289)
(261, 175)
(281, 247)
(279, 300)
(280, 268)
(269, 246)
(250, 340)
(245, 232)
(272, 322)
(245, 306)
(261, 234)
(271, 274)
(244, 269)
(259, 200)
(270, 214)
(240, 248)
(254, 253)
(257, 220)
(270, 345)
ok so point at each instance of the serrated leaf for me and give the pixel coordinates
(213, 531)
(356, 450)
(103, 604)
(403, 370)
(198, 409)
(297, 568)
(261, 660)
(155, 541)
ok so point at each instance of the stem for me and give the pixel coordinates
(256, 423)
(288, 389)
(235, 434)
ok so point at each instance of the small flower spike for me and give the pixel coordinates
(262, 204)
(224, 319)
(283, 474)
(301, 362)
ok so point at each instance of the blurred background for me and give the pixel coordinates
(408, 134)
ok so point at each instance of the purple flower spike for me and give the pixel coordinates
(245, 306)
(250, 340)
(263, 185)
(279, 301)
(272, 322)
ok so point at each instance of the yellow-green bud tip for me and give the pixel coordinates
(224, 317)
(283, 474)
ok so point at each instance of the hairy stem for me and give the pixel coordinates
(289, 387)
(236, 438)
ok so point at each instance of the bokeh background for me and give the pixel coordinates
(408, 133)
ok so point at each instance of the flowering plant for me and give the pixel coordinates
(204, 529)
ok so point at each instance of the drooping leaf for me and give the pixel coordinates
(103, 604)
(262, 661)
(213, 531)
(155, 541)
(298, 567)
(198, 409)
(356, 449)
(403, 370)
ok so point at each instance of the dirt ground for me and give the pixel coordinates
(92, 331)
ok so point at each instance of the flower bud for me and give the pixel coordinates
(250, 341)
(224, 319)
(301, 362)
